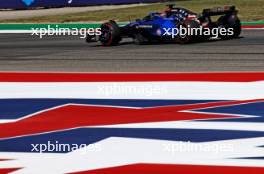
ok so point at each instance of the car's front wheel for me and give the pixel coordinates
(110, 34)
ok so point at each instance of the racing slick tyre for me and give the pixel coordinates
(89, 38)
(188, 37)
(230, 22)
(110, 34)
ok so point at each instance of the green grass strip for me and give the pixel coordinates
(74, 25)
(253, 23)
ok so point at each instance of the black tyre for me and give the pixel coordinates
(230, 22)
(89, 38)
(111, 34)
(188, 38)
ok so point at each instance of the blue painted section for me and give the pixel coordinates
(251, 109)
(23, 4)
(17, 108)
(91, 135)
(157, 22)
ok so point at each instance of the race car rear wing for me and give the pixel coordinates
(219, 11)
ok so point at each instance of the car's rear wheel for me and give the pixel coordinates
(230, 22)
(110, 34)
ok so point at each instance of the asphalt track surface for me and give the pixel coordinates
(22, 52)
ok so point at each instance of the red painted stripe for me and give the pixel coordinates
(253, 26)
(175, 169)
(130, 77)
(75, 116)
(6, 171)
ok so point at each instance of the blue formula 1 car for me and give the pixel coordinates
(160, 27)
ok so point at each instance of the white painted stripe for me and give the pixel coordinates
(241, 126)
(124, 151)
(136, 90)
(15, 31)
(31, 31)
(6, 121)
